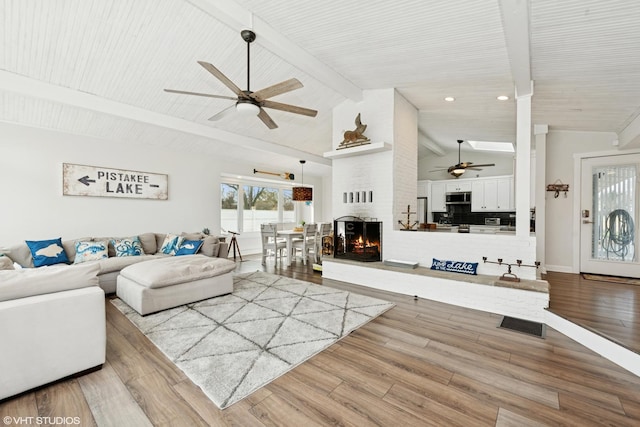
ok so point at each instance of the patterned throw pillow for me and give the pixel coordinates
(189, 247)
(47, 252)
(128, 247)
(171, 244)
(91, 251)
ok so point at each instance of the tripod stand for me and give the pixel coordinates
(234, 244)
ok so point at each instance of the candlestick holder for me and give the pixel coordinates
(509, 276)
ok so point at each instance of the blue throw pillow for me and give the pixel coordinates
(128, 247)
(47, 252)
(455, 266)
(189, 247)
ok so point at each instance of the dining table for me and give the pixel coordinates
(289, 235)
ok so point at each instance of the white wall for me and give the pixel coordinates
(368, 172)
(405, 151)
(560, 149)
(33, 206)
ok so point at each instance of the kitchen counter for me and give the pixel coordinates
(473, 229)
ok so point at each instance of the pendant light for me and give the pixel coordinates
(302, 193)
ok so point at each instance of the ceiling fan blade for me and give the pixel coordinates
(184, 92)
(224, 113)
(224, 79)
(277, 89)
(485, 165)
(266, 119)
(289, 108)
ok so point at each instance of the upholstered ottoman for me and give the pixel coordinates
(163, 283)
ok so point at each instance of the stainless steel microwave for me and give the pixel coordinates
(459, 198)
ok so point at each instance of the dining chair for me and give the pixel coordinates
(307, 243)
(270, 242)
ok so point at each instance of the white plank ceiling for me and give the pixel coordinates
(98, 67)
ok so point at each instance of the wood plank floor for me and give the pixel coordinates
(609, 309)
(421, 363)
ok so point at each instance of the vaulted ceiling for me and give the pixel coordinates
(99, 67)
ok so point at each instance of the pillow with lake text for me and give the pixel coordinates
(455, 266)
(47, 252)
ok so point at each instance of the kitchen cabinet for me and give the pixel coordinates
(492, 195)
(505, 200)
(438, 198)
(456, 187)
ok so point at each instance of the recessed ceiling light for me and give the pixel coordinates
(503, 98)
(449, 99)
(506, 147)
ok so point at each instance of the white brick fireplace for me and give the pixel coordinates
(390, 174)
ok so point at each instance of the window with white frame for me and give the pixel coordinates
(246, 204)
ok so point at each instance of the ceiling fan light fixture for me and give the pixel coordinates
(502, 98)
(457, 172)
(449, 98)
(247, 109)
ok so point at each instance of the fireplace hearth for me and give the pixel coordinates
(357, 239)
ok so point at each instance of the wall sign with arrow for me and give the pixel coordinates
(81, 180)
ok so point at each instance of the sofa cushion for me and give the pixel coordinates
(47, 252)
(6, 263)
(160, 273)
(112, 264)
(149, 244)
(90, 251)
(189, 247)
(210, 246)
(193, 236)
(45, 280)
(19, 253)
(129, 246)
(171, 244)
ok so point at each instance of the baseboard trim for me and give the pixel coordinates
(559, 268)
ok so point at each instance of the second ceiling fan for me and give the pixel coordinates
(251, 103)
(459, 169)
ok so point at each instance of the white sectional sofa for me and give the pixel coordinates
(52, 325)
(52, 318)
(110, 267)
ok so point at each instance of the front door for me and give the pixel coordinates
(609, 215)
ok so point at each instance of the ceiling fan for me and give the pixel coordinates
(251, 103)
(458, 169)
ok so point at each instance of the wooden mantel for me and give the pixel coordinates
(374, 147)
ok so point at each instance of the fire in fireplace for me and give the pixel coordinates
(357, 239)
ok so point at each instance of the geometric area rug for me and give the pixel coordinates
(234, 344)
